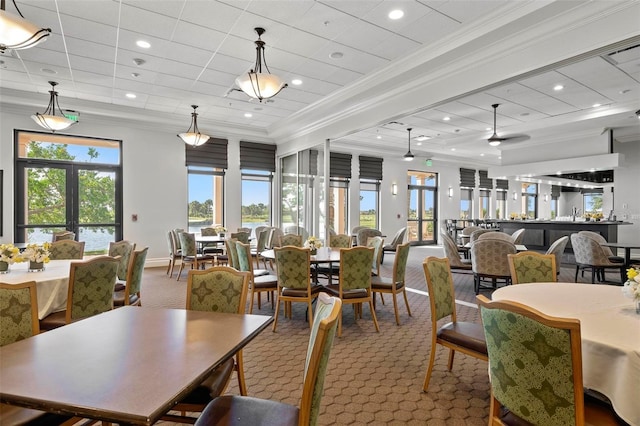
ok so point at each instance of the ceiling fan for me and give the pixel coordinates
(495, 140)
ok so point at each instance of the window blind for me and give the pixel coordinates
(485, 182)
(257, 156)
(501, 195)
(370, 168)
(340, 165)
(211, 154)
(467, 178)
(502, 184)
(555, 190)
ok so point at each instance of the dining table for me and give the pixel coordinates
(610, 333)
(52, 283)
(130, 365)
(323, 255)
(627, 247)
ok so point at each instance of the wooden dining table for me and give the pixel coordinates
(627, 247)
(128, 366)
(610, 333)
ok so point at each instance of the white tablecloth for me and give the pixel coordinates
(610, 330)
(52, 284)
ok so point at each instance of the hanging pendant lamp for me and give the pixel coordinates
(409, 156)
(256, 83)
(51, 119)
(18, 33)
(193, 136)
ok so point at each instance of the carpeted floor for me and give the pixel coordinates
(372, 378)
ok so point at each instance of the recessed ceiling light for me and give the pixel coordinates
(396, 14)
(378, 137)
(336, 55)
(248, 114)
(596, 105)
(500, 158)
(592, 170)
(296, 81)
(453, 149)
(143, 44)
(131, 95)
(558, 87)
(419, 143)
(447, 118)
(558, 173)
(488, 129)
(481, 155)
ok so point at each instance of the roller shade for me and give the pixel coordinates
(501, 195)
(467, 178)
(485, 193)
(211, 154)
(555, 191)
(340, 165)
(370, 168)
(502, 184)
(485, 182)
(257, 156)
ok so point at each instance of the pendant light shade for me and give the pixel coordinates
(409, 155)
(256, 83)
(193, 136)
(51, 119)
(18, 33)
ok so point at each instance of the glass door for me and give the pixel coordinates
(422, 208)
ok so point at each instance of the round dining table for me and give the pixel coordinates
(52, 284)
(610, 333)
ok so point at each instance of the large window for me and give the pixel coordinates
(422, 208)
(501, 204)
(554, 207)
(592, 202)
(466, 203)
(68, 182)
(256, 198)
(369, 207)
(485, 203)
(338, 205)
(530, 200)
(206, 197)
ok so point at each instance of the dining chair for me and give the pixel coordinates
(354, 286)
(62, 235)
(489, 262)
(532, 267)
(174, 253)
(495, 235)
(396, 283)
(257, 283)
(249, 411)
(465, 234)
(218, 289)
(19, 320)
(294, 280)
(291, 240)
(276, 234)
(535, 368)
(477, 234)
(241, 236)
(232, 252)
(210, 248)
(245, 230)
(461, 336)
(376, 243)
(589, 254)
(453, 254)
(557, 249)
(261, 245)
(398, 238)
(602, 240)
(518, 236)
(123, 249)
(336, 242)
(66, 249)
(91, 284)
(190, 255)
(363, 236)
(130, 295)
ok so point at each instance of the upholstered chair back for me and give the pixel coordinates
(66, 249)
(18, 312)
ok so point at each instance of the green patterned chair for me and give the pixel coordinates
(395, 242)
(91, 285)
(190, 255)
(232, 252)
(210, 248)
(396, 283)
(291, 240)
(18, 312)
(123, 249)
(532, 267)
(249, 411)
(130, 295)
(241, 236)
(465, 337)
(355, 282)
(66, 249)
(363, 235)
(376, 243)
(261, 245)
(535, 368)
(257, 283)
(174, 253)
(218, 289)
(63, 235)
(293, 280)
(336, 241)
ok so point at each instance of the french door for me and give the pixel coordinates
(422, 208)
(81, 197)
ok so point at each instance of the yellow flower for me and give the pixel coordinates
(631, 273)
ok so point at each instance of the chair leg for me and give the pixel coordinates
(593, 275)
(275, 317)
(310, 313)
(340, 323)
(577, 270)
(395, 307)
(180, 271)
(406, 300)
(373, 315)
(450, 363)
(432, 357)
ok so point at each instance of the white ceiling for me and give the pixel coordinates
(199, 47)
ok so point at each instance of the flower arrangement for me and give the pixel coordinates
(220, 228)
(37, 253)
(513, 216)
(631, 288)
(313, 243)
(9, 254)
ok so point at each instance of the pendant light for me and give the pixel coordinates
(193, 136)
(256, 83)
(409, 156)
(18, 33)
(51, 119)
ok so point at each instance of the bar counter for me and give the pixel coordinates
(540, 234)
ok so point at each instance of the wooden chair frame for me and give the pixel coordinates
(513, 258)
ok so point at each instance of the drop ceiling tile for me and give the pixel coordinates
(196, 37)
(213, 14)
(147, 22)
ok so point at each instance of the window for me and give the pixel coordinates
(338, 205)
(530, 200)
(256, 198)
(466, 203)
(501, 204)
(68, 182)
(369, 207)
(592, 202)
(206, 197)
(485, 203)
(554, 207)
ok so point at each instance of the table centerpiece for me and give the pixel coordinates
(9, 254)
(220, 230)
(37, 255)
(631, 288)
(313, 244)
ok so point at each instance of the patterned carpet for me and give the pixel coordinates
(372, 378)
